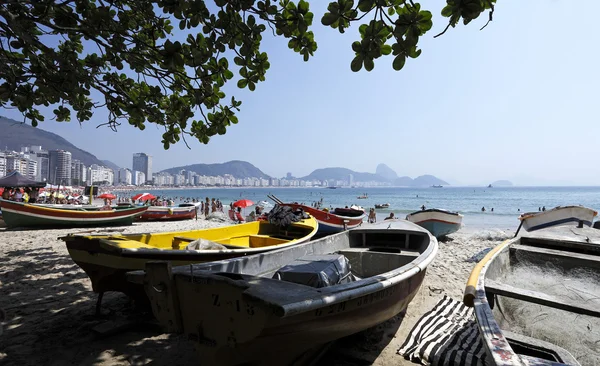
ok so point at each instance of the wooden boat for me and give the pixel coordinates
(335, 221)
(438, 222)
(561, 215)
(106, 258)
(383, 205)
(19, 214)
(536, 300)
(271, 308)
(165, 213)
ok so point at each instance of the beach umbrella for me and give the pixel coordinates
(109, 196)
(243, 203)
(143, 197)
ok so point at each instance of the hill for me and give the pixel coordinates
(237, 168)
(342, 174)
(502, 183)
(386, 172)
(428, 181)
(16, 134)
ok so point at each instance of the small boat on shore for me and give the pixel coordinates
(439, 222)
(561, 215)
(165, 213)
(382, 205)
(535, 298)
(19, 214)
(272, 307)
(330, 222)
(106, 258)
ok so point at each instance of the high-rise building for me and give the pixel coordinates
(59, 167)
(143, 163)
(125, 176)
(40, 155)
(78, 173)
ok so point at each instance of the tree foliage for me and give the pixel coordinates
(56, 53)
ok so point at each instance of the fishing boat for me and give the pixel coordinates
(271, 308)
(535, 298)
(335, 221)
(439, 222)
(561, 215)
(164, 213)
(382, 205)
(106, 258)
(19, 214)
(363, 197)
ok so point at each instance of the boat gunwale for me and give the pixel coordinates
(440, 210)
(109, 242)
(528, 215)
(326, 296)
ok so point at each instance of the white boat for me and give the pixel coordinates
(438, 222)
(561, 215)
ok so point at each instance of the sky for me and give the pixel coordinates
(516, 100)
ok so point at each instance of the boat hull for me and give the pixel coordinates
(155, 213)
(237, 312)
(106, 259)
(16, 214)
(438, 222)
(566, 215)
(329, 223)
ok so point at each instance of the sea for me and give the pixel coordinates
(507, 202)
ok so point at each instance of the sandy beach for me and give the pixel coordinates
(50, 306)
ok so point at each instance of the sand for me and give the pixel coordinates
(50, 307)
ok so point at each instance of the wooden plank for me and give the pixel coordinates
(162, 292)
(585, 260)
(540, 298)
(588, 244)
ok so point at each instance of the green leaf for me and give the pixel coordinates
(399, 62)
(328, 19)
(356, 63)
(386, 49)
(242, 83)
(369, 64)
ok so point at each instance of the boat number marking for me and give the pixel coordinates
(236, 304)
(356, 303)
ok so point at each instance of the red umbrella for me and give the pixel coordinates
(109, 196)
(243, 203)
(143, 197)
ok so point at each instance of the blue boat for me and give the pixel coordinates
(438, 222)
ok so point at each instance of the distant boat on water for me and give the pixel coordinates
(437, 186)
(490, 186)
(331, 187)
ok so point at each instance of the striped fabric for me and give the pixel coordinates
(446, 335)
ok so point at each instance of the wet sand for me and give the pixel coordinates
(50, 306)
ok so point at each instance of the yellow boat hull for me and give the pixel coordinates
(106, 258)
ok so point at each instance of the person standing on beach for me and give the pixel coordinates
(206, 207)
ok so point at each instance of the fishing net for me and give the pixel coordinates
(578, 334)
(203, 244)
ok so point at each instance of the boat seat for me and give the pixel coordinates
(389, 250)
(259, 241)
(539, 298)
(568, 259)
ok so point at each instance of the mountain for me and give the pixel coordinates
(403, 181)
(16, 135)
(428, 181)
(237, 168)
(342, 174)
(502, 183)
(386, 172)
(111, 165)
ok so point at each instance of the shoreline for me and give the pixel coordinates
(50, 306)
